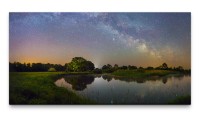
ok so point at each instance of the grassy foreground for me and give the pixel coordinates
(181, 100)
(39, 88)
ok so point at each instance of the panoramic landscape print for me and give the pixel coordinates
(99, 58)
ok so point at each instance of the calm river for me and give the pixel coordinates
(110, 90)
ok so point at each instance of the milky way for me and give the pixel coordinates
(141, 39)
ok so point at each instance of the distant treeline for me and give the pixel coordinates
(79, 64)
(109, 68)
(34, 67)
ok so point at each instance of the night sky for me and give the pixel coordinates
(141, 39)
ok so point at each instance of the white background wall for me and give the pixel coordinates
(7, 6)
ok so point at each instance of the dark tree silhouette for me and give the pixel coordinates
(131, 67)
(140, 68)
(97, 71)
(107, 68)
(34, 67)
(164, 66)
(79, 64)
(149, 68)
(115, 67)
(89, 65)
(124, 67)
(104, 67)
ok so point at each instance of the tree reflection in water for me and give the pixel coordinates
(111, 89)
(79, 82)
(164, 80)
(108, 78)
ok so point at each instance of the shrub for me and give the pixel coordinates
(52, 70)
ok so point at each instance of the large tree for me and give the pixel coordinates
(79, 64)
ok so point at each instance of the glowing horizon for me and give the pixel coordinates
(140, 39)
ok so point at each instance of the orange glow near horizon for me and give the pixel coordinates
(103, 38)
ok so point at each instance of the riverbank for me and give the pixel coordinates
(39, 88)
(144, 73)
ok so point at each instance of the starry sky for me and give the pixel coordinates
(140, 39)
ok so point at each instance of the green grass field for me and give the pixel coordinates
(39, 88)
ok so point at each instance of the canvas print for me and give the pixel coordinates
(99, 58)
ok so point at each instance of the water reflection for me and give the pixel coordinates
(78, 82)
(62, 83)
(106, 89)
(145, 79)
(108, 78)
(164, 80)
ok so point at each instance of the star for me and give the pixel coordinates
(141, 39)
